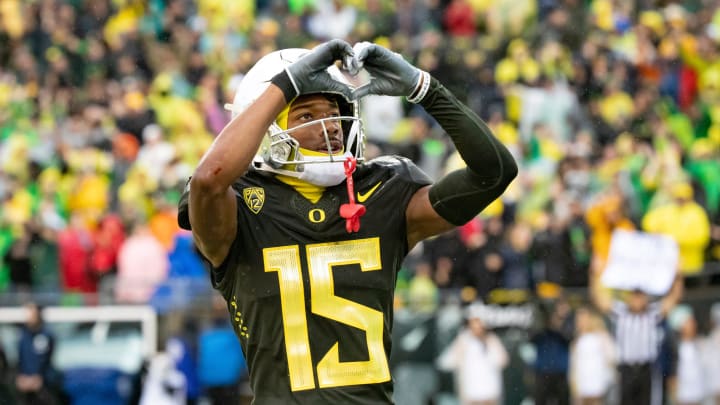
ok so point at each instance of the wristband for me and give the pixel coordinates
(421, 89)
(284, 82)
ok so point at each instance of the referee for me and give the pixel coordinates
(638, 336)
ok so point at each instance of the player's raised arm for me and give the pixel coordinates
(212, 202)
(459, 196)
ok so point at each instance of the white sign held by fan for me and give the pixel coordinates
(641, 261)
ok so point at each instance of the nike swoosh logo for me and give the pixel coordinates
(363, 197)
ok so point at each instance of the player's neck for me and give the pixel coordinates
(310, 191)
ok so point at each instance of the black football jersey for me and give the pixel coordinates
(311, 303)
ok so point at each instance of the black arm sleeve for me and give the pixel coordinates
(462, 194)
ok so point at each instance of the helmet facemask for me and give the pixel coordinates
(279, 151)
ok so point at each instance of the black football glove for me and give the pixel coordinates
(309, 73)
(391, 74)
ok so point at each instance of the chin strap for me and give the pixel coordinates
(351, 211)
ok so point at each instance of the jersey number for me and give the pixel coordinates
(331, 372)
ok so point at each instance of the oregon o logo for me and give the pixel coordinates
(316, 216)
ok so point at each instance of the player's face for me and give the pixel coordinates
(313, 107)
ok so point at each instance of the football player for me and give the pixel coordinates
(305, 237)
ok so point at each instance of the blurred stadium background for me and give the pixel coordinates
(611, 108)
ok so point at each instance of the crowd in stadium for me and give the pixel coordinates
(609, 107)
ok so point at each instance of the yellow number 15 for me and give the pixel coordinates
(331, 372)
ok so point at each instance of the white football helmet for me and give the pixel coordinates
(280, 152)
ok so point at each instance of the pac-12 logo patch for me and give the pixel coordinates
(254, 198)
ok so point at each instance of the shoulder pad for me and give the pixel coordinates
(402, 166)
(183, 215)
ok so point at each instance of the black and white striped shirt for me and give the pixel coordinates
(637, 335)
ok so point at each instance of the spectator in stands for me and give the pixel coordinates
(46, 225)
(578, 239)
(422, 293)
(375, 20)
(637, 336)
(411, 17)
(550, 252)
(711, 355)
(703, 166)
(292, 33)
(155, 153)
(517, 272)
(592, 358)
(332, 19)
(163, 384)
(186, 280)
(18, 261)
(690, 382)
(133, 114)
(552, 348)
(36, 379)
(163, 221)
(443, 253)
(459, 19)
(477, 357)
(142, 265)
(221, 364)
(667, 360)
(107, 240)
(603, 217)
(686, 222)
(74, 249)
(181, 346)
(481, 266)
